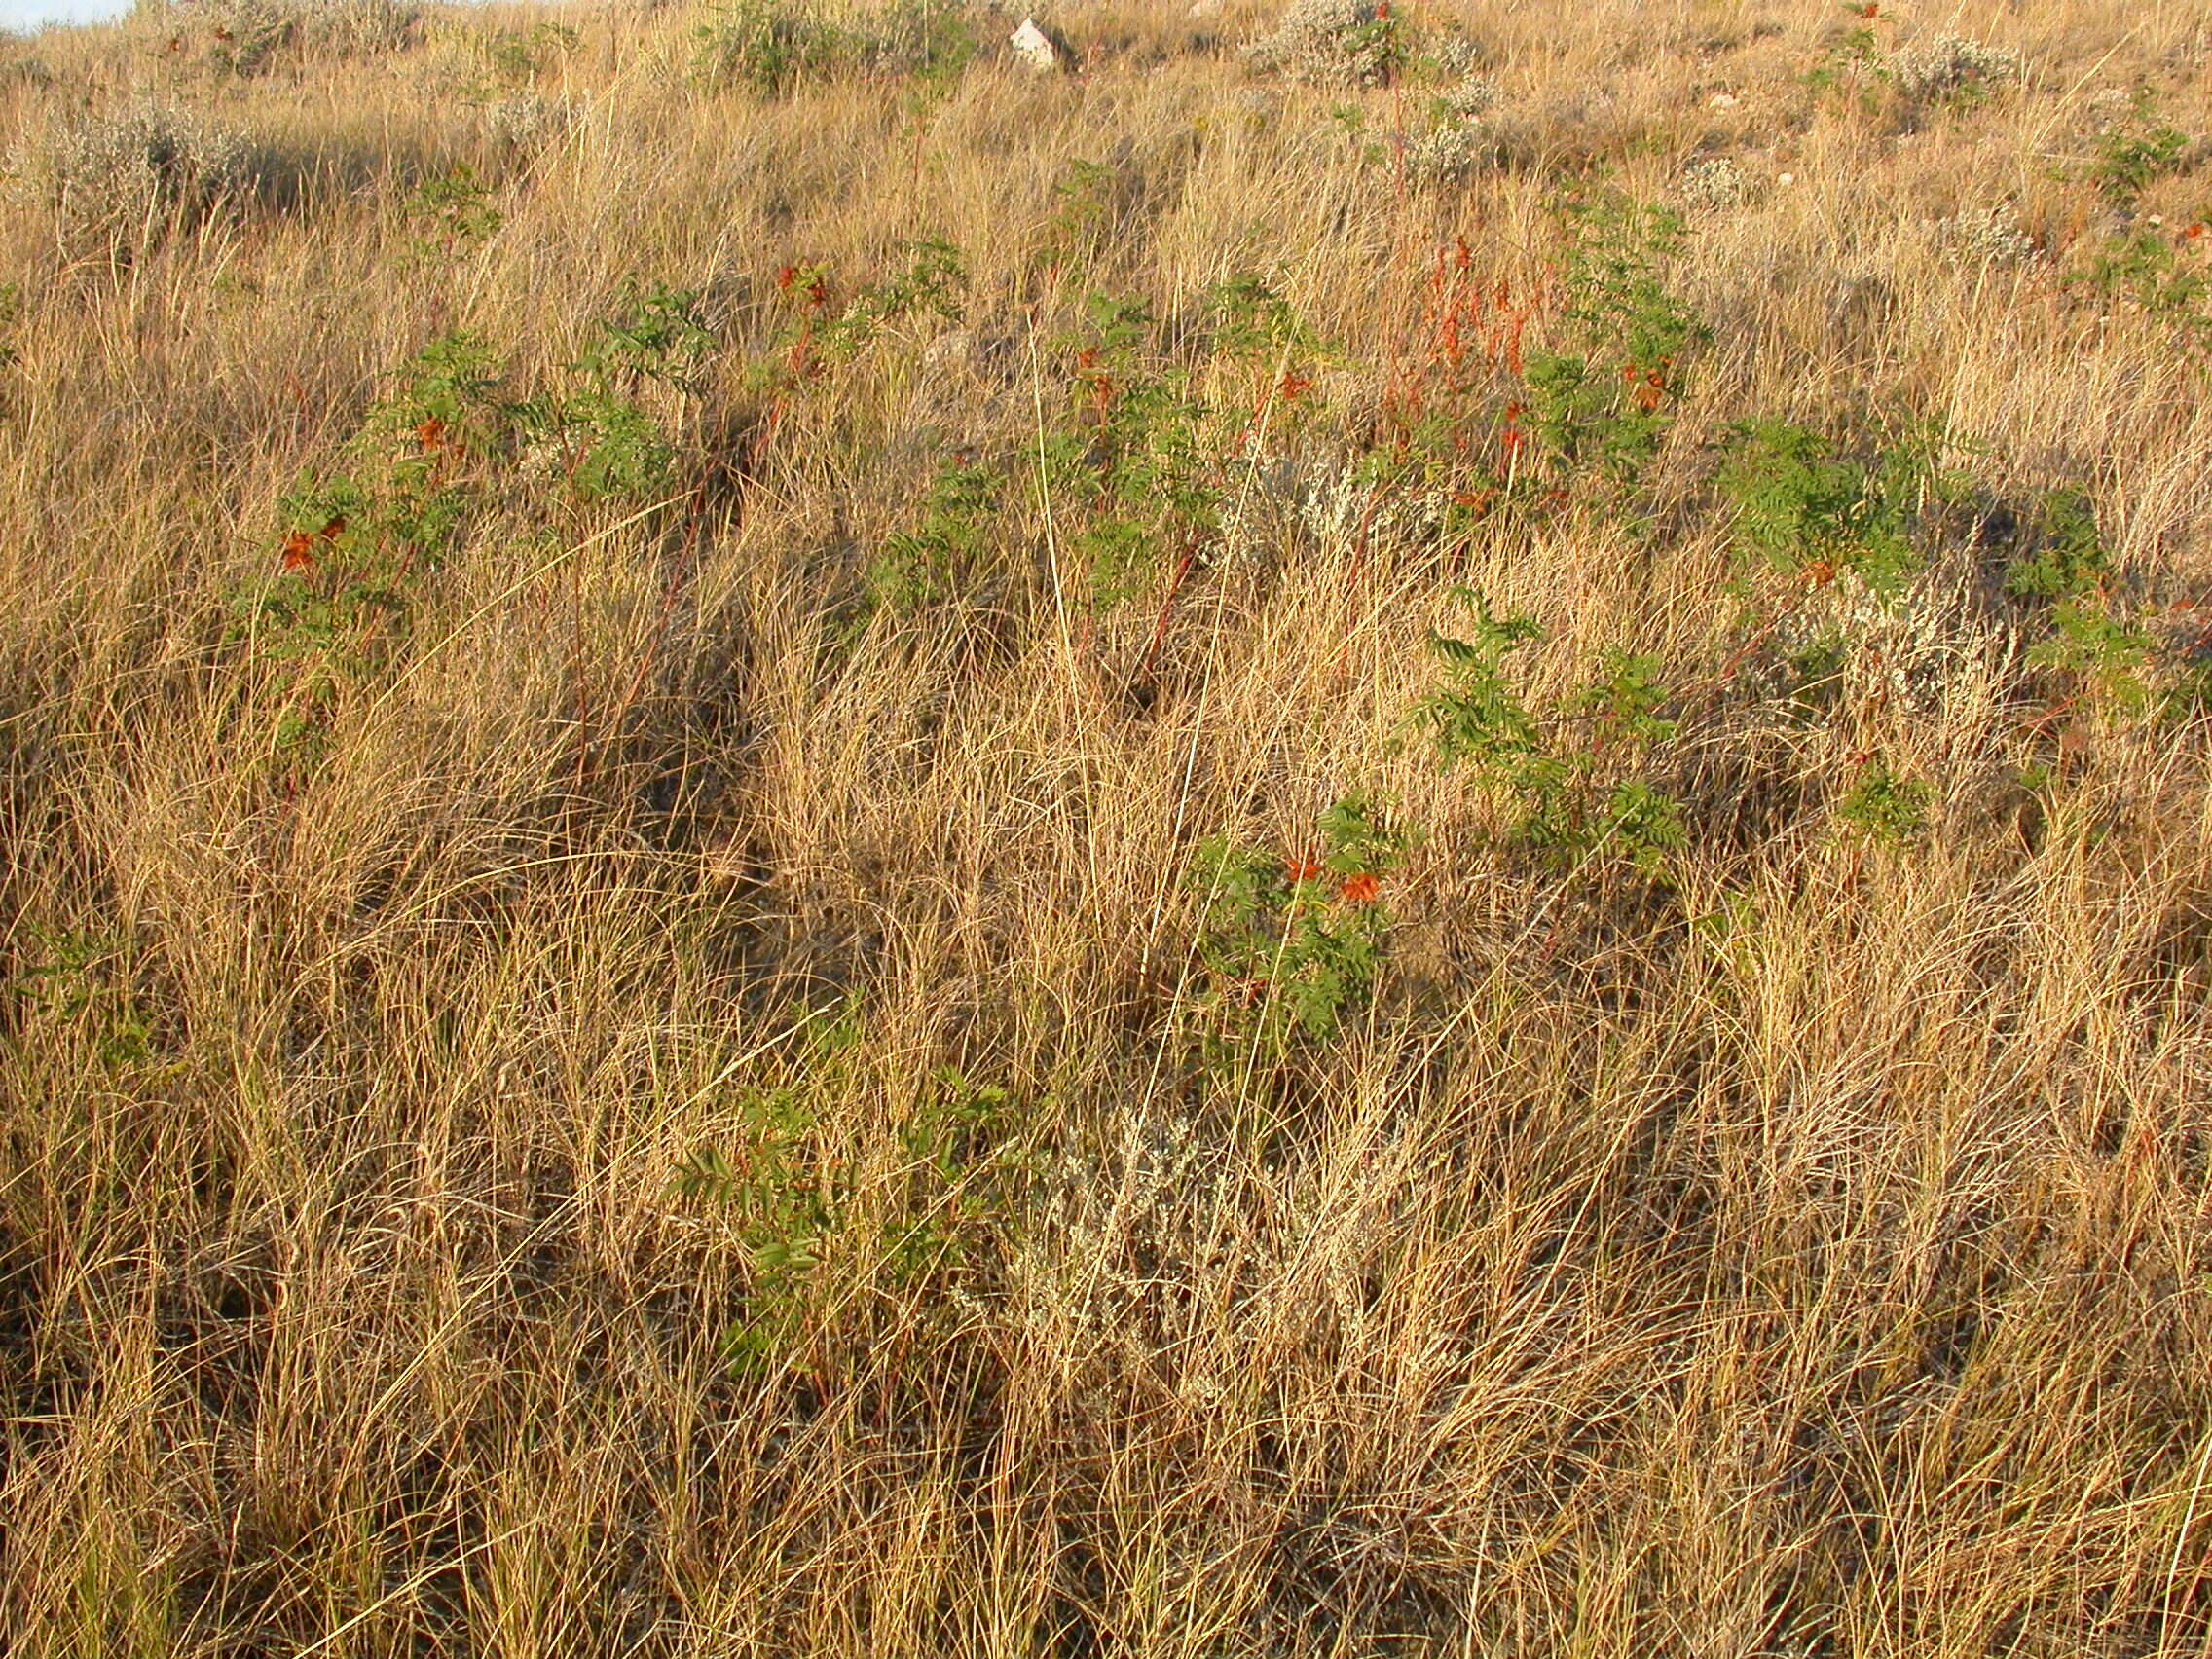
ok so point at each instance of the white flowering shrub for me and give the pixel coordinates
(126, 178)
(1454, 57)
(1448, 153)
(1990, 236)
(1714, 183)
(1470, 96)
(527, 119)
(246, 37)
(1927, 649)
(1332, 43)
(1338, 507)
(1456, 144)
(1951, 64)
(2110, 109)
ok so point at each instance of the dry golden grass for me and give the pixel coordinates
(1799, 1251)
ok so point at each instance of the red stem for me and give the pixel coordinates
(1166, 613)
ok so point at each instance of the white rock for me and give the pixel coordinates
(1037, 48)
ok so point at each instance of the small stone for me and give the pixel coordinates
(1039, 48)
(1722, 101)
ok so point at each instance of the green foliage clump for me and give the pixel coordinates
(938, 557)
(1081, 218)
(1147, 450)
(1609, 403)
(1252, 324)
(932, 283)
(2135, 148)
(1616, 247)
(968, 1172)
(1850, 67)
(794, 1205)
(436, 453)
(824, 332)
(782, 1193)
(1292, 943)
(1479, 717)
(2096, 657)
(611, 447)
(518, 57)
(1570, 768)
(359, 539)
(454, 211)
(1889, 810)
(1130, 459)
(247, 38)
(768, 46)
(2145, 268)
(74, 977)
(1809, 506)
(2097, 653)
(2067, 557)
(774, 47)
(659, 333)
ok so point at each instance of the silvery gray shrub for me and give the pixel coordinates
(127, 177)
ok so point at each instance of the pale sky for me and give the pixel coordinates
(30, 14)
